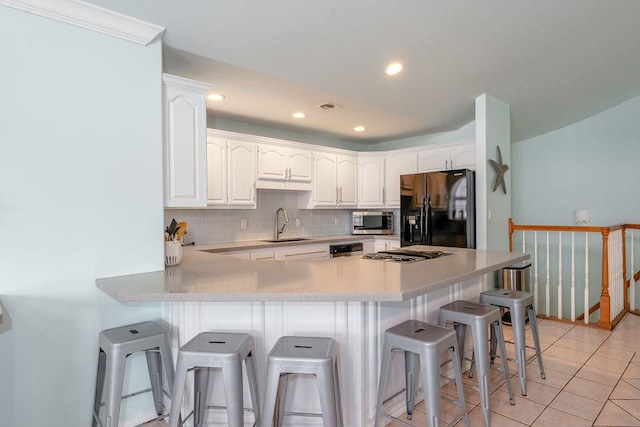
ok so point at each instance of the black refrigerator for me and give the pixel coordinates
(438, 208)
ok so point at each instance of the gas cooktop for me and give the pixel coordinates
(403, 256)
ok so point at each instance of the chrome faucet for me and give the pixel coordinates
(279, 231)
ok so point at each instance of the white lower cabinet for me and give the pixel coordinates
(386, 244)
(369, 246)
(302, 252)
(263, 255)
(253, 255)
(286, 253)
(357, 327)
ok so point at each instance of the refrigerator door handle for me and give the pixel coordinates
(423, 221)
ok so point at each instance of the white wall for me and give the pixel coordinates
(80, 198)
(592, 164)
(493, 208)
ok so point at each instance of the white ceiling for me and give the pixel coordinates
(554, 61)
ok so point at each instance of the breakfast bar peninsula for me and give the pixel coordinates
(350, 299)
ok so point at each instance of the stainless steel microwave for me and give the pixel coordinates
(372, 222)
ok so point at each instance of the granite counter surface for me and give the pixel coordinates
(206, 276)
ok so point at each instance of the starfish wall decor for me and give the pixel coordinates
(500, 171)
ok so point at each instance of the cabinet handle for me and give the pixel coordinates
(337, 198)
(446, 164)
(450, 164)
(305, 253)
(289, 173)
(340, 194)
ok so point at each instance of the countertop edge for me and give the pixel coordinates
(310, 240)
(215, 277)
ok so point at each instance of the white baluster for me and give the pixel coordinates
(547, 286)
(559, 275)
(586, 278)
(573, 277)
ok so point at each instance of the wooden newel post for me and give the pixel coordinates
(510, 235)
(605, 299)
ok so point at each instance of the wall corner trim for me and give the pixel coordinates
(91, 17)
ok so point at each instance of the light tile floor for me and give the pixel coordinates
(592, 379)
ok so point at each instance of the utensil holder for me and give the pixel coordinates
(172, 252)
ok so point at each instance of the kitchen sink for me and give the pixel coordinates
(286, 239)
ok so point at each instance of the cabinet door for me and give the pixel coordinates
(216, 171)
(303, 252)
(386, 244)
(463, 157)
(300, 165)
(371, 182)
(239, 254)
(241, 164)
(185, 144)
(272, 162)
(394, 167)
(263, 255)
(347, 179)
(325, 182)
(433, 160)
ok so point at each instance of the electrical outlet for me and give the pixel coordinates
(335, 221)
(297, 222)
(243, 223)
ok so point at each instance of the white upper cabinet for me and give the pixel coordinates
(284, 168)
(231, 173)
(185, 124)
(334, 182)
(379, 177)
(370, 181)
(241, 167)
(458, 156)
(394, 166)
(325, 183)
(347, 172)
(217, 179)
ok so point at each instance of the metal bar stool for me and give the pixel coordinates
(303, 355)
(116, 345)
(221, 350)
(480, 317)
(422, 344)
(517, 302)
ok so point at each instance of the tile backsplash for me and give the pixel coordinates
(223, 225)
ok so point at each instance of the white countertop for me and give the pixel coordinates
(205, 276)
(262, 244)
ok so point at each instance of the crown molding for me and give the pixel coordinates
(91, 17)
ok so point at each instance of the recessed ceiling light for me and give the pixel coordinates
(215, 97)
(393, 68)
(299, 115)
(359, 128)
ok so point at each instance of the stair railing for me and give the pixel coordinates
(571, 284)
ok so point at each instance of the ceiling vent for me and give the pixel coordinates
(329, 106)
